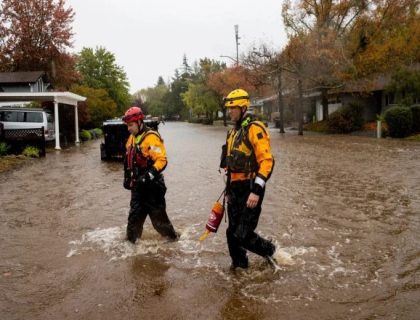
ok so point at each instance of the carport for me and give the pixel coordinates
(67, 98)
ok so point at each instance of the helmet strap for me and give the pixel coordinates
(141, 126)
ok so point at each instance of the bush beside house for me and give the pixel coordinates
(346, 119)
(399, 121)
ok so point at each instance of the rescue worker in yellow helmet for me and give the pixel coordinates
(248, 162)
(144, 162)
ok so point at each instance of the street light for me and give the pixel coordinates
(237, 46)
(237, 42)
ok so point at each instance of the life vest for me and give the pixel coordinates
(136, 162)
(240, 153)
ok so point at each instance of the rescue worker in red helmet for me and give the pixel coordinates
(143, 165)
(248, 162)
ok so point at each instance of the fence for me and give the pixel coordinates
(20, 138)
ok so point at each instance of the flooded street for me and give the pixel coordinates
(343, 211)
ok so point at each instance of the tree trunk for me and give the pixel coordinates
(300, 107)
(224, 116)
(324, 101)
(280, 101)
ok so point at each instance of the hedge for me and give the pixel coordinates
(399, 121)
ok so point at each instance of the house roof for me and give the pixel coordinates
(20, 77)
(60, 97)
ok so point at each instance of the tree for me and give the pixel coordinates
(199, 99)
(321, 25)
(34, 35)
(160, 81)
(100, 71)
(100, 106)
(267, 67)
(154, 99)
(294, 56)
(174, 104)
(301, 16)
(385, 38)
(406, 87)
(226, 80)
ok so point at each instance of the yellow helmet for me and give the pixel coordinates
(237, 98)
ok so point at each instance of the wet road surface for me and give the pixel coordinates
(343, 212)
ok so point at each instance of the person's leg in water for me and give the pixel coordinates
(242, 223)
(136, 217)
(158, 215)
(237, 253)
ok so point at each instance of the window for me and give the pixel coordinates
(389, 99)
(12, 116)
(33, 117)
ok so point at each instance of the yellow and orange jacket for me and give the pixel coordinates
(148, 151)
(248, 152)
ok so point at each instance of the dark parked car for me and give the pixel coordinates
(116, 135)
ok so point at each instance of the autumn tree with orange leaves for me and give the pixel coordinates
(229, 79)
(386, 37)
(352, 39)
(321, 26)
(35, 35)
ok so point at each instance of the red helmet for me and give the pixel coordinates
(133, 114)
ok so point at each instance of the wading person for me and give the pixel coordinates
(248, 162)
(143, 165)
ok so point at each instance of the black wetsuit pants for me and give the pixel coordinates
(148, 198)
(242, 223)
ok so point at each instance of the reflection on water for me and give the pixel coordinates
(342, 211)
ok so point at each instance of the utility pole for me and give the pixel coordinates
(237, 43)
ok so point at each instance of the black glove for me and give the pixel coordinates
(148, 176)
(127, 183)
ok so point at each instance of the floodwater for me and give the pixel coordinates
(342, 210)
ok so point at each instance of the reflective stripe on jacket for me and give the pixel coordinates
(249, 152)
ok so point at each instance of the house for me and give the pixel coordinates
(370, 93)
(31, 81)
(20, 88)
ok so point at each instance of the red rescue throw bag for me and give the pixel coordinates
(213, 222)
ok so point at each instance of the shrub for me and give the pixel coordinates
(207, 121)
(415, 110)
(320, 126)
(346, 119)
(195, 120)
(339, 123)
(93, 134)
(399, 121)
(99, 132)
(85, 135)
(4, 148)
(355, 112)
(30, 151)
(415, 137)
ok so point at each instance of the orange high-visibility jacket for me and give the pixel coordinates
(249, 152)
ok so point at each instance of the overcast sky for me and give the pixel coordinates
(149, 38)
